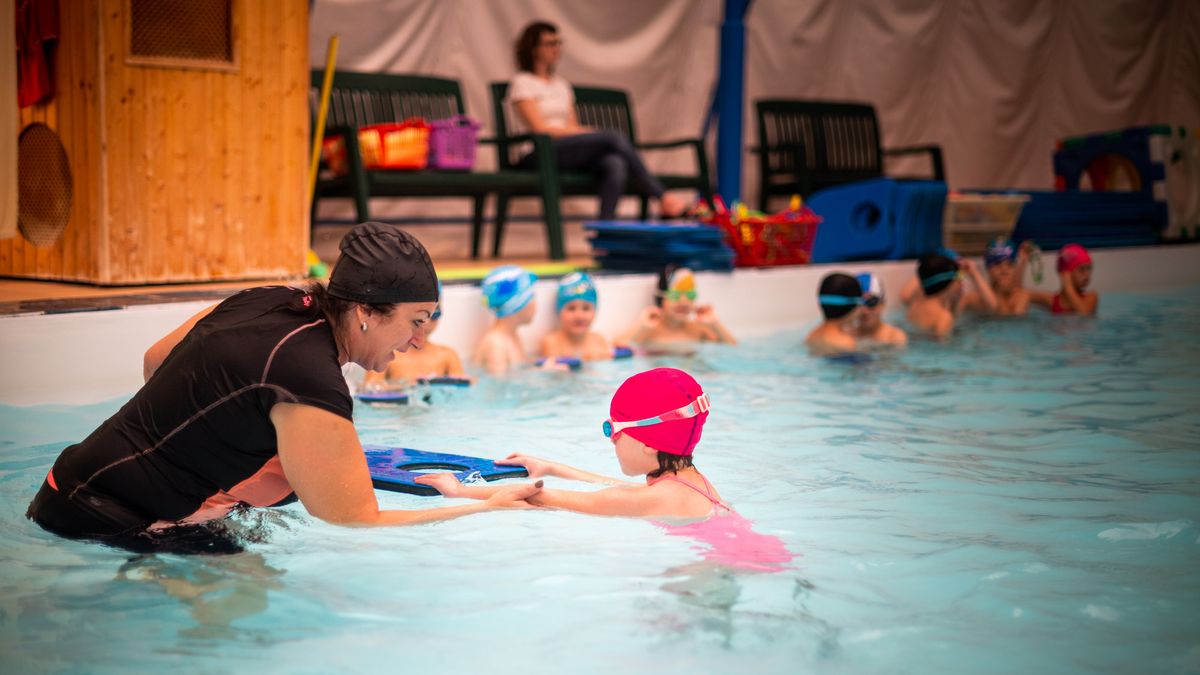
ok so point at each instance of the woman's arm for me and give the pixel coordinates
(529, 112)
(159, 350)
(324, 462)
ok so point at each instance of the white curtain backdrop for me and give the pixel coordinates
(996, 83)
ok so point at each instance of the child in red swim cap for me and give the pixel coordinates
(1074, 275)
(654, 423)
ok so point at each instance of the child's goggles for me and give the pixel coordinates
(700, 405)
(674, 296)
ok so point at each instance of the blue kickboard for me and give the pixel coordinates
(389, 397)
(396, 469)
(446, 381)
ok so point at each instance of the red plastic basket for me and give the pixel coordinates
(398, 145)
(784, 238)
(452, 143)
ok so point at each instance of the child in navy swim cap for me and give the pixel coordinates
(935, 307)
(840, 297)
(507, 291)
(574, 337)
(1005, 263)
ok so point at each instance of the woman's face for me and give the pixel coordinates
(576, 318)
(549, 48)
(386, 334)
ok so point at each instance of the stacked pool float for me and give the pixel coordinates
(648, 247)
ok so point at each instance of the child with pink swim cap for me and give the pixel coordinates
(1074, 275)
(654, 423)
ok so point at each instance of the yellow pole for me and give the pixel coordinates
(319, 128)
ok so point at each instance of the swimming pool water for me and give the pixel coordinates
(1023, 499)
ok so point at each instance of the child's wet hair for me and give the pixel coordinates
(669, 463)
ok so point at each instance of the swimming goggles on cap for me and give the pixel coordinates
(840, 300)
(700, 405)
(871, 301)
(939, 278)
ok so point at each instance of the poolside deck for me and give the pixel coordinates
(447, 244)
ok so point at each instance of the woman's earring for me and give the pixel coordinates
(364, 326)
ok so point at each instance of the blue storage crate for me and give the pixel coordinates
(878, 219)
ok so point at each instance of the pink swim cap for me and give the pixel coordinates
(653, 393)
(1072, 256)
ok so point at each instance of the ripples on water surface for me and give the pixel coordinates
(1025, 499)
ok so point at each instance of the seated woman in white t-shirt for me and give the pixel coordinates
(544, 103)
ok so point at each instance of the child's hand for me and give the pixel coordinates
(967, 265)
(536, 467)
(444, 483)
(514, 497)
(651, 317)
(706, 315)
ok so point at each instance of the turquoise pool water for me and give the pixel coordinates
(1024, 499)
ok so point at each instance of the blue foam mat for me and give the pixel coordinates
(396, 469)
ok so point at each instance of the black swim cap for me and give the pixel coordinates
(839, 295)
(936, 273)
(380, 265)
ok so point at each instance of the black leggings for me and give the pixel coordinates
(611, 157)
(88, 514)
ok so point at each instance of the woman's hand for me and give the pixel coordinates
(445, 483)
(536, 467)
(514, 496)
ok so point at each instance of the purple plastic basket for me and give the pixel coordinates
(452, 143)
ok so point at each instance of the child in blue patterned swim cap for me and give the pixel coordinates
(507, 291)
(576, 305)
(1005, 263)
(869, 326)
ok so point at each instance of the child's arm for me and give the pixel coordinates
(614, 501)
(707, 317)
(541, 467)
(1073, 300)
(453, 364)
(987, 299)
(1023, 254)
(648, 322)
(1041, 299)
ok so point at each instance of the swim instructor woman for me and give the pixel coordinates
(246, 403)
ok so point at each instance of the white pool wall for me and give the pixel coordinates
(86, 357)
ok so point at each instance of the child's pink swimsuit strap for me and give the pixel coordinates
(707, 491)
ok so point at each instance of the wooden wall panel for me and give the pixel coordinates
(181, 173)
(72, 114)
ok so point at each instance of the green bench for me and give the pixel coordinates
(596, 108)
(361, 99)
(806, 146)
